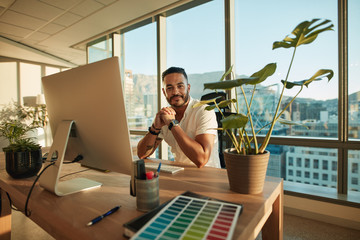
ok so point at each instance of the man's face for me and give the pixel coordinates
(176, 89)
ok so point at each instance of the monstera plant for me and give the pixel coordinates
(246, 163)
(246, 142)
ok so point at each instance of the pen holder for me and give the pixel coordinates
(147, 194)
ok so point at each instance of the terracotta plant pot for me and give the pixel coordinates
(23, 164)
(246, 173)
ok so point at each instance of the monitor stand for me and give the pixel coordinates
(50, 177)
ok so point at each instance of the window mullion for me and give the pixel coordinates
(343, 95)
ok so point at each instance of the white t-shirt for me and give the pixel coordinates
(195, 121)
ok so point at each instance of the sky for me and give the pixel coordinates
(195, 41)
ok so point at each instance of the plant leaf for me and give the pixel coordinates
(234, 121)
(209, 108)
(304, 34)
(318, 76)
(226, 103)
(287, 122)
(204, 102)
(229, 84)
(227, 73)
(264, 73)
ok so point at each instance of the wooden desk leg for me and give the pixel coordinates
(273, 228)
(5, 216)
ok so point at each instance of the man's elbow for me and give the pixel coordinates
(200, 165)
(142, 154)
(201, 162)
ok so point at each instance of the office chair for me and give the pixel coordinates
(226, 112)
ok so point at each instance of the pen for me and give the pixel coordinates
(95, 220)
(158, 170)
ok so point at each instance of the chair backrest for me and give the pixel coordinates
(222, 96)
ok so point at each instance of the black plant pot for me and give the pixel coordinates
(23, 164)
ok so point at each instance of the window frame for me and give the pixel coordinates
(342, 143)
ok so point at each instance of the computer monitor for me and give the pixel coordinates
(87, 117)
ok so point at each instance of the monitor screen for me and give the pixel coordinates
(92, 97)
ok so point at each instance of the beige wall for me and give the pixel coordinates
(323, 211)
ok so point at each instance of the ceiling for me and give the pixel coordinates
(56, 31)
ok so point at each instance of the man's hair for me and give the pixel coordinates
(174, 70)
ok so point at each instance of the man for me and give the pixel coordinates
(189, 131)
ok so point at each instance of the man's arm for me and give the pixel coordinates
(198, 150)
(147, 145)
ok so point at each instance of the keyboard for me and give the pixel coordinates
(165, 168)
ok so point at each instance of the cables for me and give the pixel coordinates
(76, 159)
(28, 212)
(75, 173)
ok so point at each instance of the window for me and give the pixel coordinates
(355, 168)
(51, 70)
(334, 165)
(316, 163)
(307, 174)
(334, 178)
(325, 178)
(100, 49)
(30, 75)
(291, 172)
(354, 181)
(353, 171)
(291, 161)
(354, 69)
(298, 173)
(324, 164)
(195, 41)
(8, 79)
(139, 75)
(254, 35)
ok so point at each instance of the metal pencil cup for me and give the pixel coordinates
(147, 194)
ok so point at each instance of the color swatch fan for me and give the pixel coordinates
(192, 218)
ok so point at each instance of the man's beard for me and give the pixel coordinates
(176, 105)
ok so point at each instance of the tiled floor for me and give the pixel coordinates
(295, 228)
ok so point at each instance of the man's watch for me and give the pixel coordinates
(173, 123)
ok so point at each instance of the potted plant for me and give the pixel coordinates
(23, 155)
(253, 156)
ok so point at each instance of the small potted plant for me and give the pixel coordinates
(247, 161)
(23, 155)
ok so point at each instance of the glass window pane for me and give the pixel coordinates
(354, 69)
(30, 80)
(51, 70)
(100, 49)
(134, 139)
(255, 34)
(8, 83)
(312, 165)
(354, 171)
(140, 80)
(195, 42)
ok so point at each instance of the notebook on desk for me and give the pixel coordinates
(224, 220)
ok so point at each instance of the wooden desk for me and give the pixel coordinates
(66, 217)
